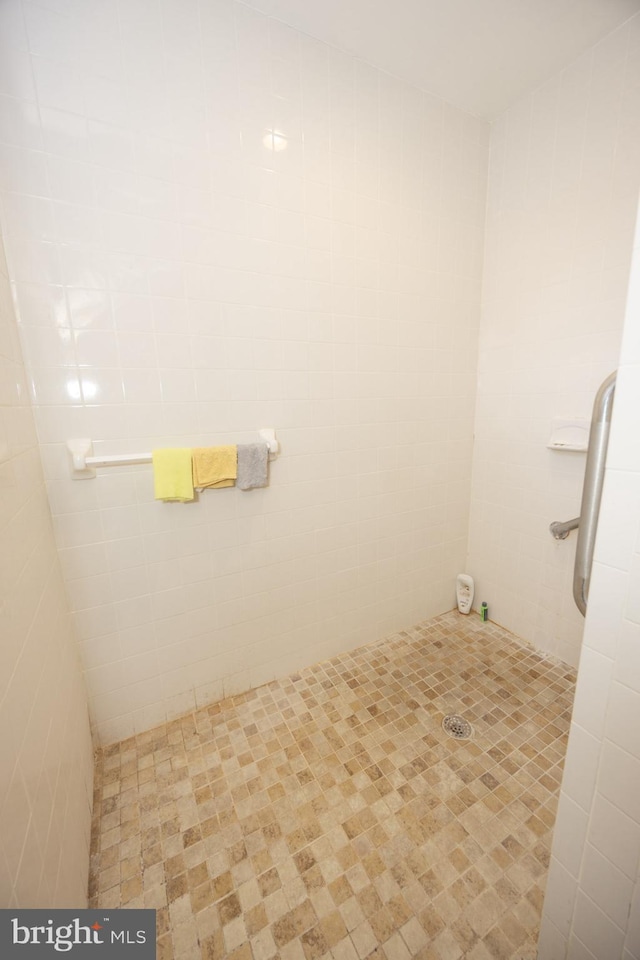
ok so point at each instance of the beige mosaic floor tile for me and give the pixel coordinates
(328, 816)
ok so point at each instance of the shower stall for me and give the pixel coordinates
(219, 215)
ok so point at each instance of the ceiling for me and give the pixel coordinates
(480, 55)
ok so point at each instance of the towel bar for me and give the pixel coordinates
(83, 464)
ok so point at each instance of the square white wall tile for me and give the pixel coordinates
(561, 892)
(607, 599)
(545, 345)
(604, 918)
(188, 274)
(632, 940)
(615, 835)
(617, 536)
(581, 768)
(627, 667)
(624, 704)
(607, 886)
(39, 665)
(570, 835)
(592, 692)
(593, 927)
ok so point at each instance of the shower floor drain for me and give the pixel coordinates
(457, 727)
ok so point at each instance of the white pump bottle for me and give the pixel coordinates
(464, 592)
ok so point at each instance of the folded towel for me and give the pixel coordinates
(252, 465)
(215, 466)
(172, 474)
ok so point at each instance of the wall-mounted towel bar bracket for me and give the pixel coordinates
(83, 464)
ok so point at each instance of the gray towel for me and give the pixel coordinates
(252, 465)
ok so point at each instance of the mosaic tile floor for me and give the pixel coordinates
(328, 815)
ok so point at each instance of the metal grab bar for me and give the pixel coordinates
(592, 491)
(561, 531)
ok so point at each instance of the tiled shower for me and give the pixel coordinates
(214, 223)
(328, 815)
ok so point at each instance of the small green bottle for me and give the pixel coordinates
(484, 611)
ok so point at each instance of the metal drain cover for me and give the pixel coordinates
(457, 727)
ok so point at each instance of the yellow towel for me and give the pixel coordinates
(215, 466)
(172, 477)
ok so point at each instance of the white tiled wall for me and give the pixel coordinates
(592, 906)
(563, 182)
(46, 758)
(216, 224)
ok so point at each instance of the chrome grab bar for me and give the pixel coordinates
(561, 531)
(587, 522)
(592, 490)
